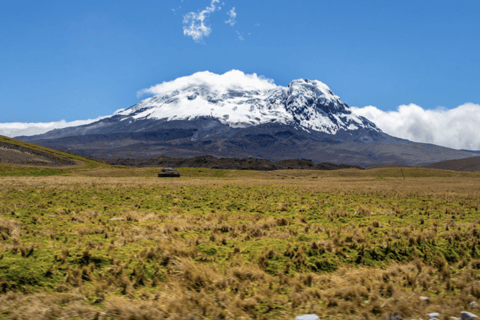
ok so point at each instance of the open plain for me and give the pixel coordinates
(119, 243)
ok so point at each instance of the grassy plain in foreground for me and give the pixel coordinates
(119, 243)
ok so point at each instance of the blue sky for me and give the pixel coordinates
(82, 59)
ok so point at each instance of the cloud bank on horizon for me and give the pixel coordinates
(16, 129)
(456, 128)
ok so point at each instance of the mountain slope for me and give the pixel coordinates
(235, 115)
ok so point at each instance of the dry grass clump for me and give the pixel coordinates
(9, 228)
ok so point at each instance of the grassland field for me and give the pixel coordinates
(102, 242)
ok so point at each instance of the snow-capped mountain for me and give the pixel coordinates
(311, 105)
(240, 115)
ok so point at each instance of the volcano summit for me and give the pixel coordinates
(309, 105)
(239, 115)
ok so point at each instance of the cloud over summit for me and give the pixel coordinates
(220, 83)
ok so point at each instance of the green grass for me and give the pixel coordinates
(6, 171)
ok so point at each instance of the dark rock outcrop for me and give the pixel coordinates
(467, 316)
(169, 173)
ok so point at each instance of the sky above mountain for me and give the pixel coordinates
(64, 61)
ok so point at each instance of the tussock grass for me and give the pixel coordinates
(219, 244)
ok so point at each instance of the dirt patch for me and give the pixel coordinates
(11, 153)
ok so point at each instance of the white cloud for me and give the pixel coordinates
(232, 14)
(457, 128)
(220, 83)
(15, 129)
(240, 36)
(194, 23)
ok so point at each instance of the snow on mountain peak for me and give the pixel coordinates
(316, 86)
(242, 100)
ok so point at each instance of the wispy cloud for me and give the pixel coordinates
(240, 36)
(454, 128)
(194, 23)
(233, 15)
(175, 10)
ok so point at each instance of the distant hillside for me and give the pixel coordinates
(229, 163)
(468, 164)
(19, 152)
